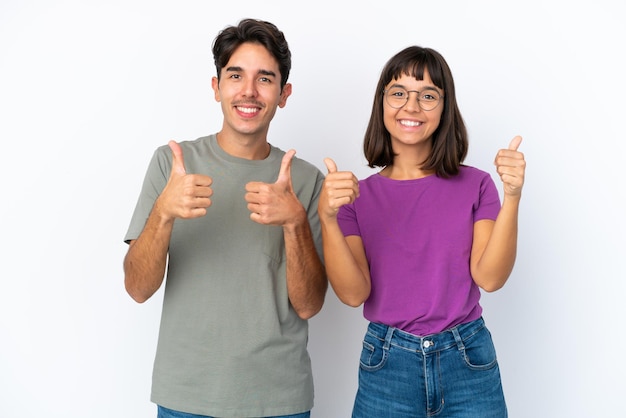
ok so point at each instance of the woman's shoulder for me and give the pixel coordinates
(469, 171)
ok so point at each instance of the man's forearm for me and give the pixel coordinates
(144, 264)
(306, 276)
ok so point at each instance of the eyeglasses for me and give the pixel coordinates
(397, 97)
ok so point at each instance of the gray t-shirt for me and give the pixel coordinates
(230, 343)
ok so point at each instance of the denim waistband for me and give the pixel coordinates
(444, 340)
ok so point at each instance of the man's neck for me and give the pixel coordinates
(249, 147)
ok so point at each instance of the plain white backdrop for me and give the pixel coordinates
(88, 90)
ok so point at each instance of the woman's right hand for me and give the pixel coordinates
(340, 188)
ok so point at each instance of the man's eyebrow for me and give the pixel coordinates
(237, 69)
(267, 72)
(234, 69)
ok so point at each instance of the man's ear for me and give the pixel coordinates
(215, 84)
(284, 95)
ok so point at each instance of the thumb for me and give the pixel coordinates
(285, 167)
(330, 165)
(515, 143)
(178, 162)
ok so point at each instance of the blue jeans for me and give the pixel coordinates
(451, 374)
(168, 413)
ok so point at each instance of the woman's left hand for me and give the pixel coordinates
(511, 166)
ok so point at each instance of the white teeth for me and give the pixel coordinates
(410, 123)
(247, 109)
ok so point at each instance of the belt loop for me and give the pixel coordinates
(457, 338)
(388, 337)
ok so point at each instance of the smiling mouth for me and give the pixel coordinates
(247, 110)
(410, 123)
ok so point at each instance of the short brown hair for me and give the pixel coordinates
(255, 31)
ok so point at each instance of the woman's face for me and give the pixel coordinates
(404, 115)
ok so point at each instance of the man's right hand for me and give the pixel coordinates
(185, 195)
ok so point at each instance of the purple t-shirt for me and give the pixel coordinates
(417, 236)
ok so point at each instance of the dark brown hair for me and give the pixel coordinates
(449, 141)
(255, 31)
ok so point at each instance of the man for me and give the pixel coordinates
(234, 220)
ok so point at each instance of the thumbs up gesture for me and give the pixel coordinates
(511, 167)
(185, 195)
(340, 188)
(275, 203)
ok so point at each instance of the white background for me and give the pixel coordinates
(88, 90)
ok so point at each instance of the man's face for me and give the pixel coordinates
(249, 90)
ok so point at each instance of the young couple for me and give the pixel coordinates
(246, 237)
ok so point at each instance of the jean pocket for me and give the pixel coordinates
(373, 355)
(479, 352)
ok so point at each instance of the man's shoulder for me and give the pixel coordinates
(298, 163)
(305, 165)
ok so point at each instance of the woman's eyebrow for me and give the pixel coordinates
(427, 87)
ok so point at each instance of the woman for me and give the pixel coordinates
(416, 242)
